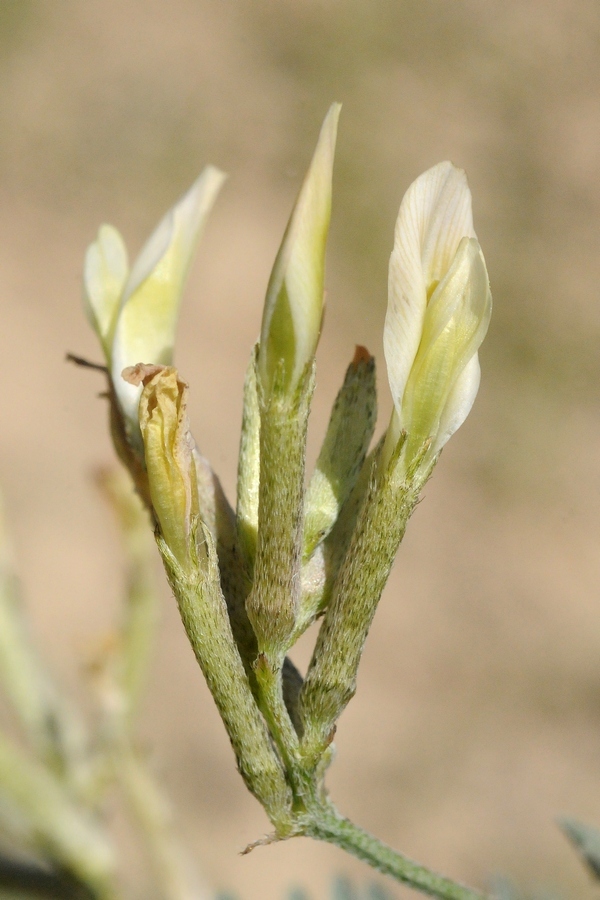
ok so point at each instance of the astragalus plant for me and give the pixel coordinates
(250, 580)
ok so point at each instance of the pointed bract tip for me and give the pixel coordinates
(361, 355)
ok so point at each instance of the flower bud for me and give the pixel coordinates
(438, 312)
(293, 309)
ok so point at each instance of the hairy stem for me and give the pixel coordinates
(328, 825)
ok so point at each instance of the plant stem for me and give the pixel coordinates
(277, 717)
(272, 605)
(329, 826)
(275, 712)
(206, 621)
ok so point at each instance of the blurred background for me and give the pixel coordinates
(477, 718)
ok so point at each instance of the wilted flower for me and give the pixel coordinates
(135, 312)
(169, 453)
(438, 311)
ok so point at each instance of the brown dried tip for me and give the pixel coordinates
(261, 842)
(361, 355)
(141, 373)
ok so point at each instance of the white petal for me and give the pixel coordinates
(294, 303)
(439, 204)
(104, 275)
(145, 330)
(464, 296)
(434, 216)
(456, 321)
(459, 403)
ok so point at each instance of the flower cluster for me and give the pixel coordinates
(250, 580)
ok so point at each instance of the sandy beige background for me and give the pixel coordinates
(477, 718)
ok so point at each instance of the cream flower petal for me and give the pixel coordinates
(456, 321)
(434, 216)
(145, 329)
(104, 275)
(461, 399)
(462, 299)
